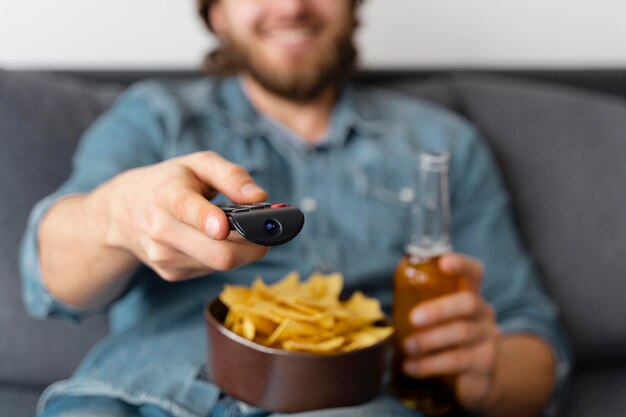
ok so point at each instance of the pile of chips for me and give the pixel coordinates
(304, 316)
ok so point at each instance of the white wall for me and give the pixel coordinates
(426, 33)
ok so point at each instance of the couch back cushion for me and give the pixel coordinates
(561, 151)
(563, 155)
(41, 118)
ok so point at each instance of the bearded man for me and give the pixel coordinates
(136, 230)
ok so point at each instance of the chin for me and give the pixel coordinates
(292, 60)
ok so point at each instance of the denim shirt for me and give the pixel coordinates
(356, 189)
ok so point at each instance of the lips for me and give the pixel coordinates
(291, 35)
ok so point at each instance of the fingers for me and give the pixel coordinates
(220, 256)
(476, 359)
(170, 263)
(178, 251)
(464, 304)
(194, 210)
(177, 265)
(457, 334)
(459, 347)
(219, 174)
(460, 332)
(189, 206)
(469, 268)
(213, 255)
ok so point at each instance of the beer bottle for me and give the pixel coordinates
(418, 278)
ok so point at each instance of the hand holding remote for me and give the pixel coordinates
(163, 215)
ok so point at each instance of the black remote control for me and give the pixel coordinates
(265, 224)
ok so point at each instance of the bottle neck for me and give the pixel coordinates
(430, 233)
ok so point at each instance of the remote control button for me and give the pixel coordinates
(281, 205)
(227, 209)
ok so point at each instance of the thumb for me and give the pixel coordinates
(470, 269)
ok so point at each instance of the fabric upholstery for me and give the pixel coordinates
(437, 89)
(597, 391)
(562, 153)
(18, 401)
(40, 122)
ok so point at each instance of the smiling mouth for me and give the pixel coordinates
(290, 36)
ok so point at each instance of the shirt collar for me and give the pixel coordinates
(352, 112)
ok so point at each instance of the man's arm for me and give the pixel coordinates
(524, 377)
(159, 215)
(78, 268)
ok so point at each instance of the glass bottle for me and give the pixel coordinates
(418, 278)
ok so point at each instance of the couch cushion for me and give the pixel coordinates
(40, 122)
(599, 392)
(562, 154)
(437, 89)
(18, 401)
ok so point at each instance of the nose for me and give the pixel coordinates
(290, 8)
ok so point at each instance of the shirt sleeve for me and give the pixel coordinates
(483, 227)
(127, 136)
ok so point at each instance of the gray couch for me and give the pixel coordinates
(562, 150)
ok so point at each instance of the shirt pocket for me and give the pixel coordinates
(384, 198)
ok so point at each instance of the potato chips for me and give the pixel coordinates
(304, 316)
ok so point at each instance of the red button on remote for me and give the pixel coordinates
(281, 205)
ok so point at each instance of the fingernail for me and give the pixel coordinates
(410, 368)
(213, 226)
(411, 347)
(452, 265)
(418, 318)
(250, 189)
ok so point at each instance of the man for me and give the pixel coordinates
(135, 229)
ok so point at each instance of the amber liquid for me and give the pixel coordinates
(418, 279)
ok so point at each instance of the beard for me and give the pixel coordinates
(303, 81)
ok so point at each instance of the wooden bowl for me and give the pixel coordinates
(285, 381)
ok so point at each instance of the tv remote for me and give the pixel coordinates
(265, 224)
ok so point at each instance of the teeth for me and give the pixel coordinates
(291, 36)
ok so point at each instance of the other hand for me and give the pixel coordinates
(456, 335)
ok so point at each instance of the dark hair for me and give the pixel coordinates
(203, 11)
(221, 61)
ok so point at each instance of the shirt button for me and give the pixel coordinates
(406, 195)
(308, 205)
